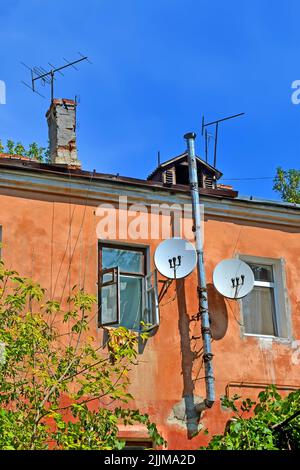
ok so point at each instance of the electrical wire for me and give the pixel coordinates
(78, 236)
(250, 178)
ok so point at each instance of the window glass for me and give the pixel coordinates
(138, 445)
(265, 310)
(262, 273)
(109, 305)
(259, 311)
(131, 301)
(129, 261)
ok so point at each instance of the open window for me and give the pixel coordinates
(127, 293)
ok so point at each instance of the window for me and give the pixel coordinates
(127, 294)
(138, 444)
(265, 308)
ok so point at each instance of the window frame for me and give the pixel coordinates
(125, 247)
(282, 315)
(114, 282)
(148, 278)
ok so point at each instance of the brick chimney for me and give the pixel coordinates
(61, 118)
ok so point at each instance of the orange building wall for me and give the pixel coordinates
(45, 235)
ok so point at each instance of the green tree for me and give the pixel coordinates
(10, 146)
(58, 387)
(34, 152)
(19, 149)
(271, 423)
(287, 183)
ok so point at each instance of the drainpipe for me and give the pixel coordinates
(201, 289)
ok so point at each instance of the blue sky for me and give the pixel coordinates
(158, 66)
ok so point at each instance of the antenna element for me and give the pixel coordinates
(38, 73)
(216, 123)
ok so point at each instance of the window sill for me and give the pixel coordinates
(114, 327)
(278, 339)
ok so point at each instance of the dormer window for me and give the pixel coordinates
(176, 172)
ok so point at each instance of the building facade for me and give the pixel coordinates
(63, 226)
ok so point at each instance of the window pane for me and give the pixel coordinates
(131, 301)
(137, 445)
(107, 277)
(262, 272)
(259, 311)
(151, 313)
(108, 303)
(128, 261)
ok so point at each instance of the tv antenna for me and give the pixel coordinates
(48, 77)
(206, 135)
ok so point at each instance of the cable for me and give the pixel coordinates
(244, 179)
(80, 229)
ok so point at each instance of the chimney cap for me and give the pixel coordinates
(63, 101)
(190, 135)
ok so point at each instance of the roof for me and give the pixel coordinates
(184, 156)
(13, 157)
(17, 162)
(269, 202)
(65, 170)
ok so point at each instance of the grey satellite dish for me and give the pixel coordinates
(233, 278)
(175, 258)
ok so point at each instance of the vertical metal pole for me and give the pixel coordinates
(202, 291)
(32, 81)
(216, 143)
(206, 143)
(52, 85)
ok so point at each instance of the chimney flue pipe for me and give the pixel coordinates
(202, 290)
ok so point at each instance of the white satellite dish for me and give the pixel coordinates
(175, 258)
(233, 278)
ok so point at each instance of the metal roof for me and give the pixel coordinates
(184, 156)
(63, 171)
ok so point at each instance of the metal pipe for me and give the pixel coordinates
(202, 291)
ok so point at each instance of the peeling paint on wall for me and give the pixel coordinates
(265, 343)
(268, 354)
(184, 414)
(296, 354)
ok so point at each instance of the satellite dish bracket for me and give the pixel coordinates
(166, 284)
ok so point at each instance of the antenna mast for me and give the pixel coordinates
(48, 77)
(216, 123)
